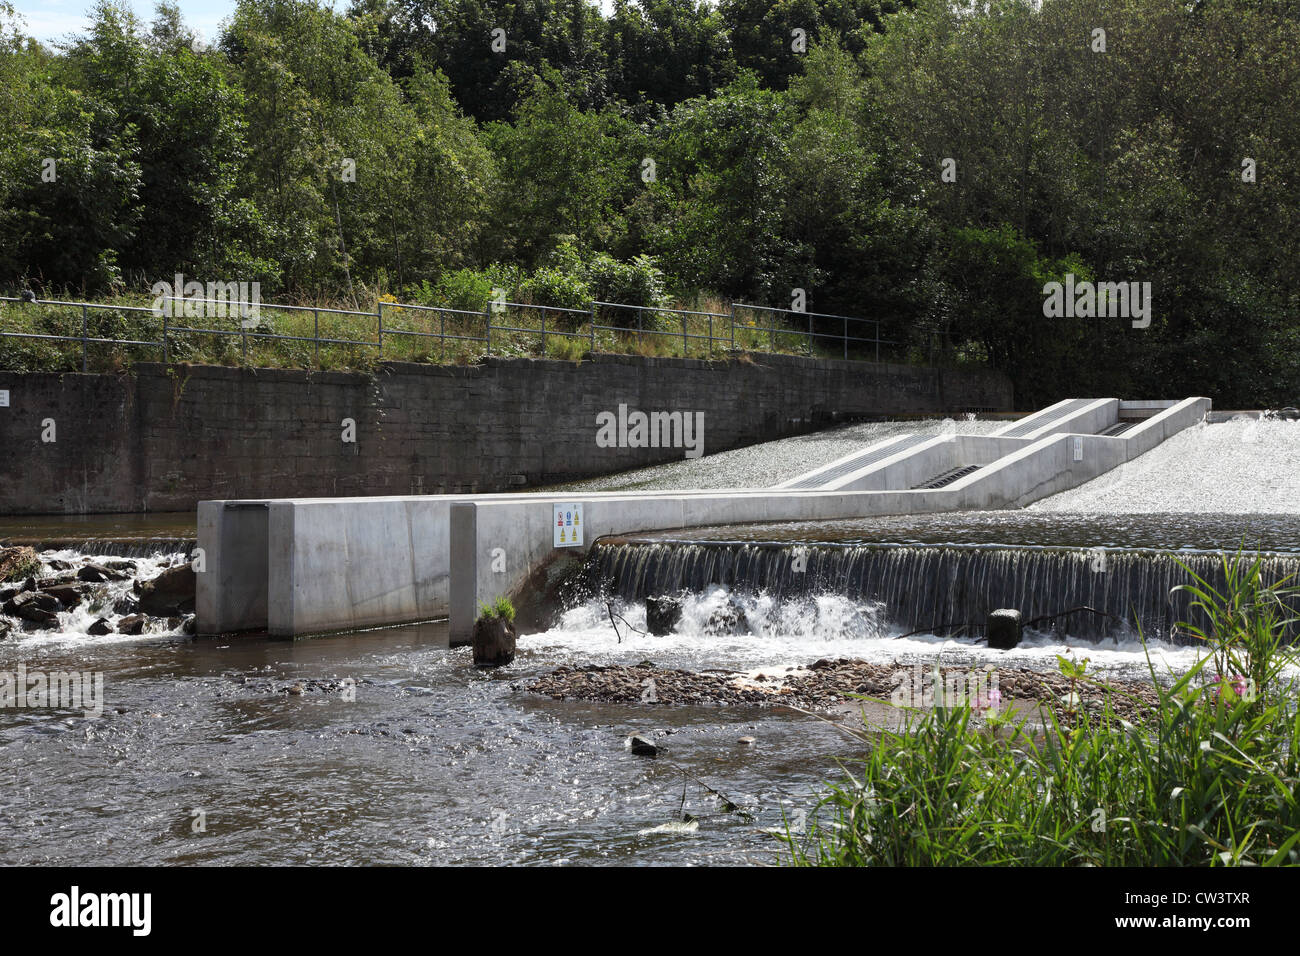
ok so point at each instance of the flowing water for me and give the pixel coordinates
(205, 754)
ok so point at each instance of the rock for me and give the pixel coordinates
(1003, 628)
(494, 642)
(126, 605)
(662, 614)
(7, 593)
(126, 566)
(69, 595)
(294, 691)
(15, 561)
(97, 574)
(31, 601)
(131, 624)
(44, 584)
(190, 625)
(5, 628)
(38, 615)
(641, 746)
(170, 593)
(100, 626)
(726, 620)
(747, 741)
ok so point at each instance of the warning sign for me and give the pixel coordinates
(567, 525)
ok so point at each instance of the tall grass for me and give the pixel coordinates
(410, 334)
(1210, 777)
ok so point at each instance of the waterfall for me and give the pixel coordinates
(934, 586)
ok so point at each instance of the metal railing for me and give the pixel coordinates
(708, 331)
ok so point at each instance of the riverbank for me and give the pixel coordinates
(827, 686)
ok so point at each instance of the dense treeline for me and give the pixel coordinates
(930, 164)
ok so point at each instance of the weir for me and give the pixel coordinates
(311, 565)
(939, 588)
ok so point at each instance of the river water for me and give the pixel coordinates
(202, 755)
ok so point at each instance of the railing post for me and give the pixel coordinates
(379, 310)
(732, 311)
(543, 331)
(877, 324)
(593, 328)
(166, 345)
(487, 318)
(243, 336)
(846, 341)
(84, 366)
(710, 318)
(315, 332)
(810, 334)
(686, 347)
(442, 335)
(638, 328)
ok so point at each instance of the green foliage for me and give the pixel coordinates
(499, 610)
(555, 287)
(639, 282)
(335, 156)
(1210, 777)
(466, 289)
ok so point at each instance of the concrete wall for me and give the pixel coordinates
(348, 563)
(165, 438)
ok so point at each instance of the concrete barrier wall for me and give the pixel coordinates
(164, 438)
(337, 564)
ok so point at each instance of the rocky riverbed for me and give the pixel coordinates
(823, 686)
(59, 591)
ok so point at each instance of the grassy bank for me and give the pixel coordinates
(349, 339)
(1209, 776)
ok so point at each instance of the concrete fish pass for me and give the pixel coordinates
(296, 566)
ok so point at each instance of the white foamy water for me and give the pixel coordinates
(798, 631)
(74, 623)
(1239, 467)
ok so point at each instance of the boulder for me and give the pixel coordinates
(728, 619)
(30, 599)
(494, 642)
(69, 595)
(170, 594)
(97, 573)
(641, 746)
(1003, 628)
(662, 614)
(132, 624)
(100, 626)
(126, 605)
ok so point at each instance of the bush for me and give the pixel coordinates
(465, 289)
(553, 287)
